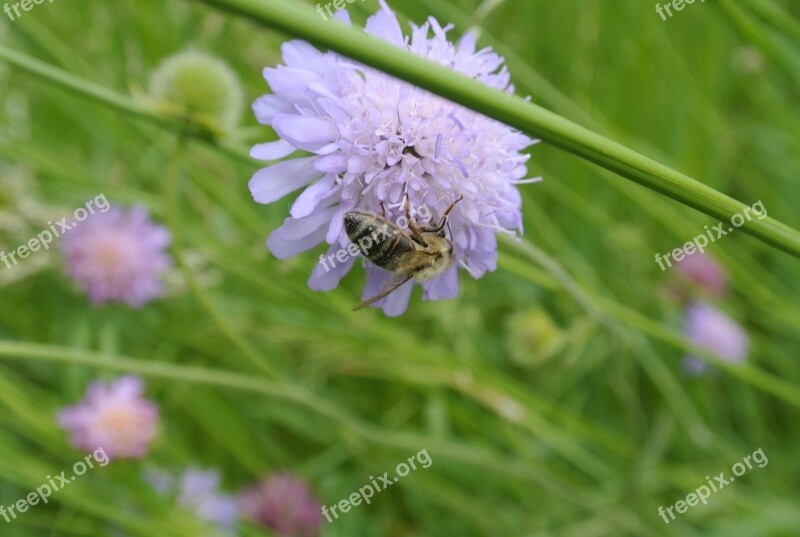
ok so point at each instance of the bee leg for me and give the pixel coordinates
(383, 210)
(440, 226)
(415, 232)
(392, 287)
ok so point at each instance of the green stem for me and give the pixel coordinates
(100, 94)
(623, 315)
(776, 16)
(172, 188)
(351, 429)
(753, 31)
(82, 86)
(534, 120)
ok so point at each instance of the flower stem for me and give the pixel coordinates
(617, 316)
(353, 430)
(172, 187)
(513, 111)
(123, 103)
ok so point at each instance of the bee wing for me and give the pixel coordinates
(389, 287)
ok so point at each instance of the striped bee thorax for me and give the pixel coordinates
(379, 241)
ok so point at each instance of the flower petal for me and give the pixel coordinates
(291, 83)
(272, 150)
(397, 302)
(328, 271)
(297, 235)
(384, 24)
(342, 16)
(274, 182)
(308, 201)
(303, 132)
(335, 163)
(443, 287)
(299, 53)
(336, 227)
(267, 107)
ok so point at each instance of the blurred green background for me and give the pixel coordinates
(549, 394)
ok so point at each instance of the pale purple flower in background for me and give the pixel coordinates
(118, 255)
(284, 504)
(161, 480)
(114, 417)
(704, 272)
(374, 138)
(711, 329)
(197, 491)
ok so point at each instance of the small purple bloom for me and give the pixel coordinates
(115, 417)
(199, 491)
(704, 272)
(118, 255)
(709, 328)
(373, 139)
(285, 505)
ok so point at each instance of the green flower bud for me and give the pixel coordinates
(532, 337)
(199, 85)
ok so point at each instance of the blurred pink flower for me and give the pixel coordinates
(116, 418)
(118, 255)
(704, 272)
(285, 505)
(709, 328)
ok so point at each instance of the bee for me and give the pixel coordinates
(420, 253)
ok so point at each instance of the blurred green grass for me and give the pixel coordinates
(586, 440)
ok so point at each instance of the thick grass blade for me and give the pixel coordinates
(534, 120)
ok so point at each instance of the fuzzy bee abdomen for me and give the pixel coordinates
(378, 240)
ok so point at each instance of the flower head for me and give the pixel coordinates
(532, 337)
(115, 417)
(118, 255)
(196, 83)
(705, 272)
(709, 328)
(373, 139)
(199, 492)
(284, 504)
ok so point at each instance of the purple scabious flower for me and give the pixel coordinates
(285, 505)
(373, 139)
(709, 328)
(199, 491)
(705, 272)
(118, 255)
(115, 417)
